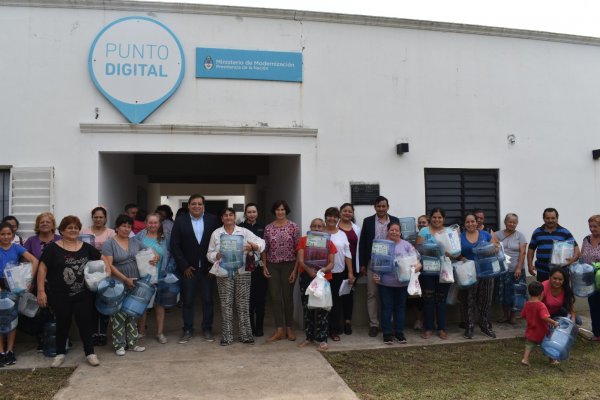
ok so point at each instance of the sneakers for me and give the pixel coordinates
(137, 349)
(401, 339)
(247, 341)
(162, 339)
(187, 335)
(488, 332)
(10, 358)
(373, 331)
(208, 336)
(225, 342)
(58, 361)
(120, 351)
(347, 328)
(92, 359)
(388, 339)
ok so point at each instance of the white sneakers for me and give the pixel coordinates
(120, 351)
(59, 359)
(92, 359)
(137, 349)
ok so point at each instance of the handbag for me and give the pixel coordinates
(252, 261)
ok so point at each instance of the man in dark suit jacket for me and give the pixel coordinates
(189, 244)
(373, 227)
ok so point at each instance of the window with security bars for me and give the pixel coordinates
(460, 190)
(4, 191)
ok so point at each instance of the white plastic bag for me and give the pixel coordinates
(414, 287)
(449, 240)
(317, 286)
(18, 276)
(465, 273)
(217, 271)
(143, 259)
(93, 272)
(561, 251)
(403, 266)
(446, 272)
(324, 301)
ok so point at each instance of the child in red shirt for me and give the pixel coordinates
(538, 319)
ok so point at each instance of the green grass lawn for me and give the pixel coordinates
(481, 370)
(32, 384)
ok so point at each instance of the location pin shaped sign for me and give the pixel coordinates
(137, 63)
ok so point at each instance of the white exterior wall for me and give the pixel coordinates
(454, 97)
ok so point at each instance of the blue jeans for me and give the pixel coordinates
(189, 286)
(434, 299)
(594, 302)
(393, 303)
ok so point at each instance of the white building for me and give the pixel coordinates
(511, 114)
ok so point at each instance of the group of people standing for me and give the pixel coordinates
(274, 258)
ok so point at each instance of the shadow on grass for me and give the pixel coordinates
(38, 383)
(482, 370)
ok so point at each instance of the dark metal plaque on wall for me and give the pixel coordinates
(363, 194)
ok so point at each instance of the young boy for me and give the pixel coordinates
(538, 319)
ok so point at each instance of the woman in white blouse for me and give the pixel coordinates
(234, 289)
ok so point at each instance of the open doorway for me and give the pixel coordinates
(226, 180)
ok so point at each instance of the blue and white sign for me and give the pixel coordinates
(136, 63)
(248, 64)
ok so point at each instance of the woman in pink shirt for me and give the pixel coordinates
(558, 296)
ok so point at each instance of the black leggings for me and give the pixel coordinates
(64, 309)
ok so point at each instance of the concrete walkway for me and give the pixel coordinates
(206, 370)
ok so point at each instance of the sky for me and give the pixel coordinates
(576, 17)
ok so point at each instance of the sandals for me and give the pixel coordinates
(305, 343)
(335, 337)
(426, 334)
(322, 346)
(443, 335)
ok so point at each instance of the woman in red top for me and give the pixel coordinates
(558, 296)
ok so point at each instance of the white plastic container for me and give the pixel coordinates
(93, 272)
(561, 251)
(18, 276)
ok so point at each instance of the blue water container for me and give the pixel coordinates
(431, 265)
(49, 339)
(519, 296)
(382, 256)
(487, 263)
(109, 298)
(137, 300)
(9, 316)
(168, 291)
(408, 227)
(88, 238)
(583, 278)
(558, 342)
(232, 252)
(316, 254)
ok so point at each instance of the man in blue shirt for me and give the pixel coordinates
(542, 241)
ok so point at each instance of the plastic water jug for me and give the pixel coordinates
(449, 240)
(93, 272)
(519, 296)
(382, 256)
(487, 263)
(558, 342)
(408, 227)
(317, 249)
(137, 300)
(403, 267)
(430, 249)
(49, 340)
(431, 265)
(232, 252)
(582, 279)
(167, 294)
(465, 273)
(88, 238)
(9, 316)
(28, 305)
(109, 299)
(561, 251)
